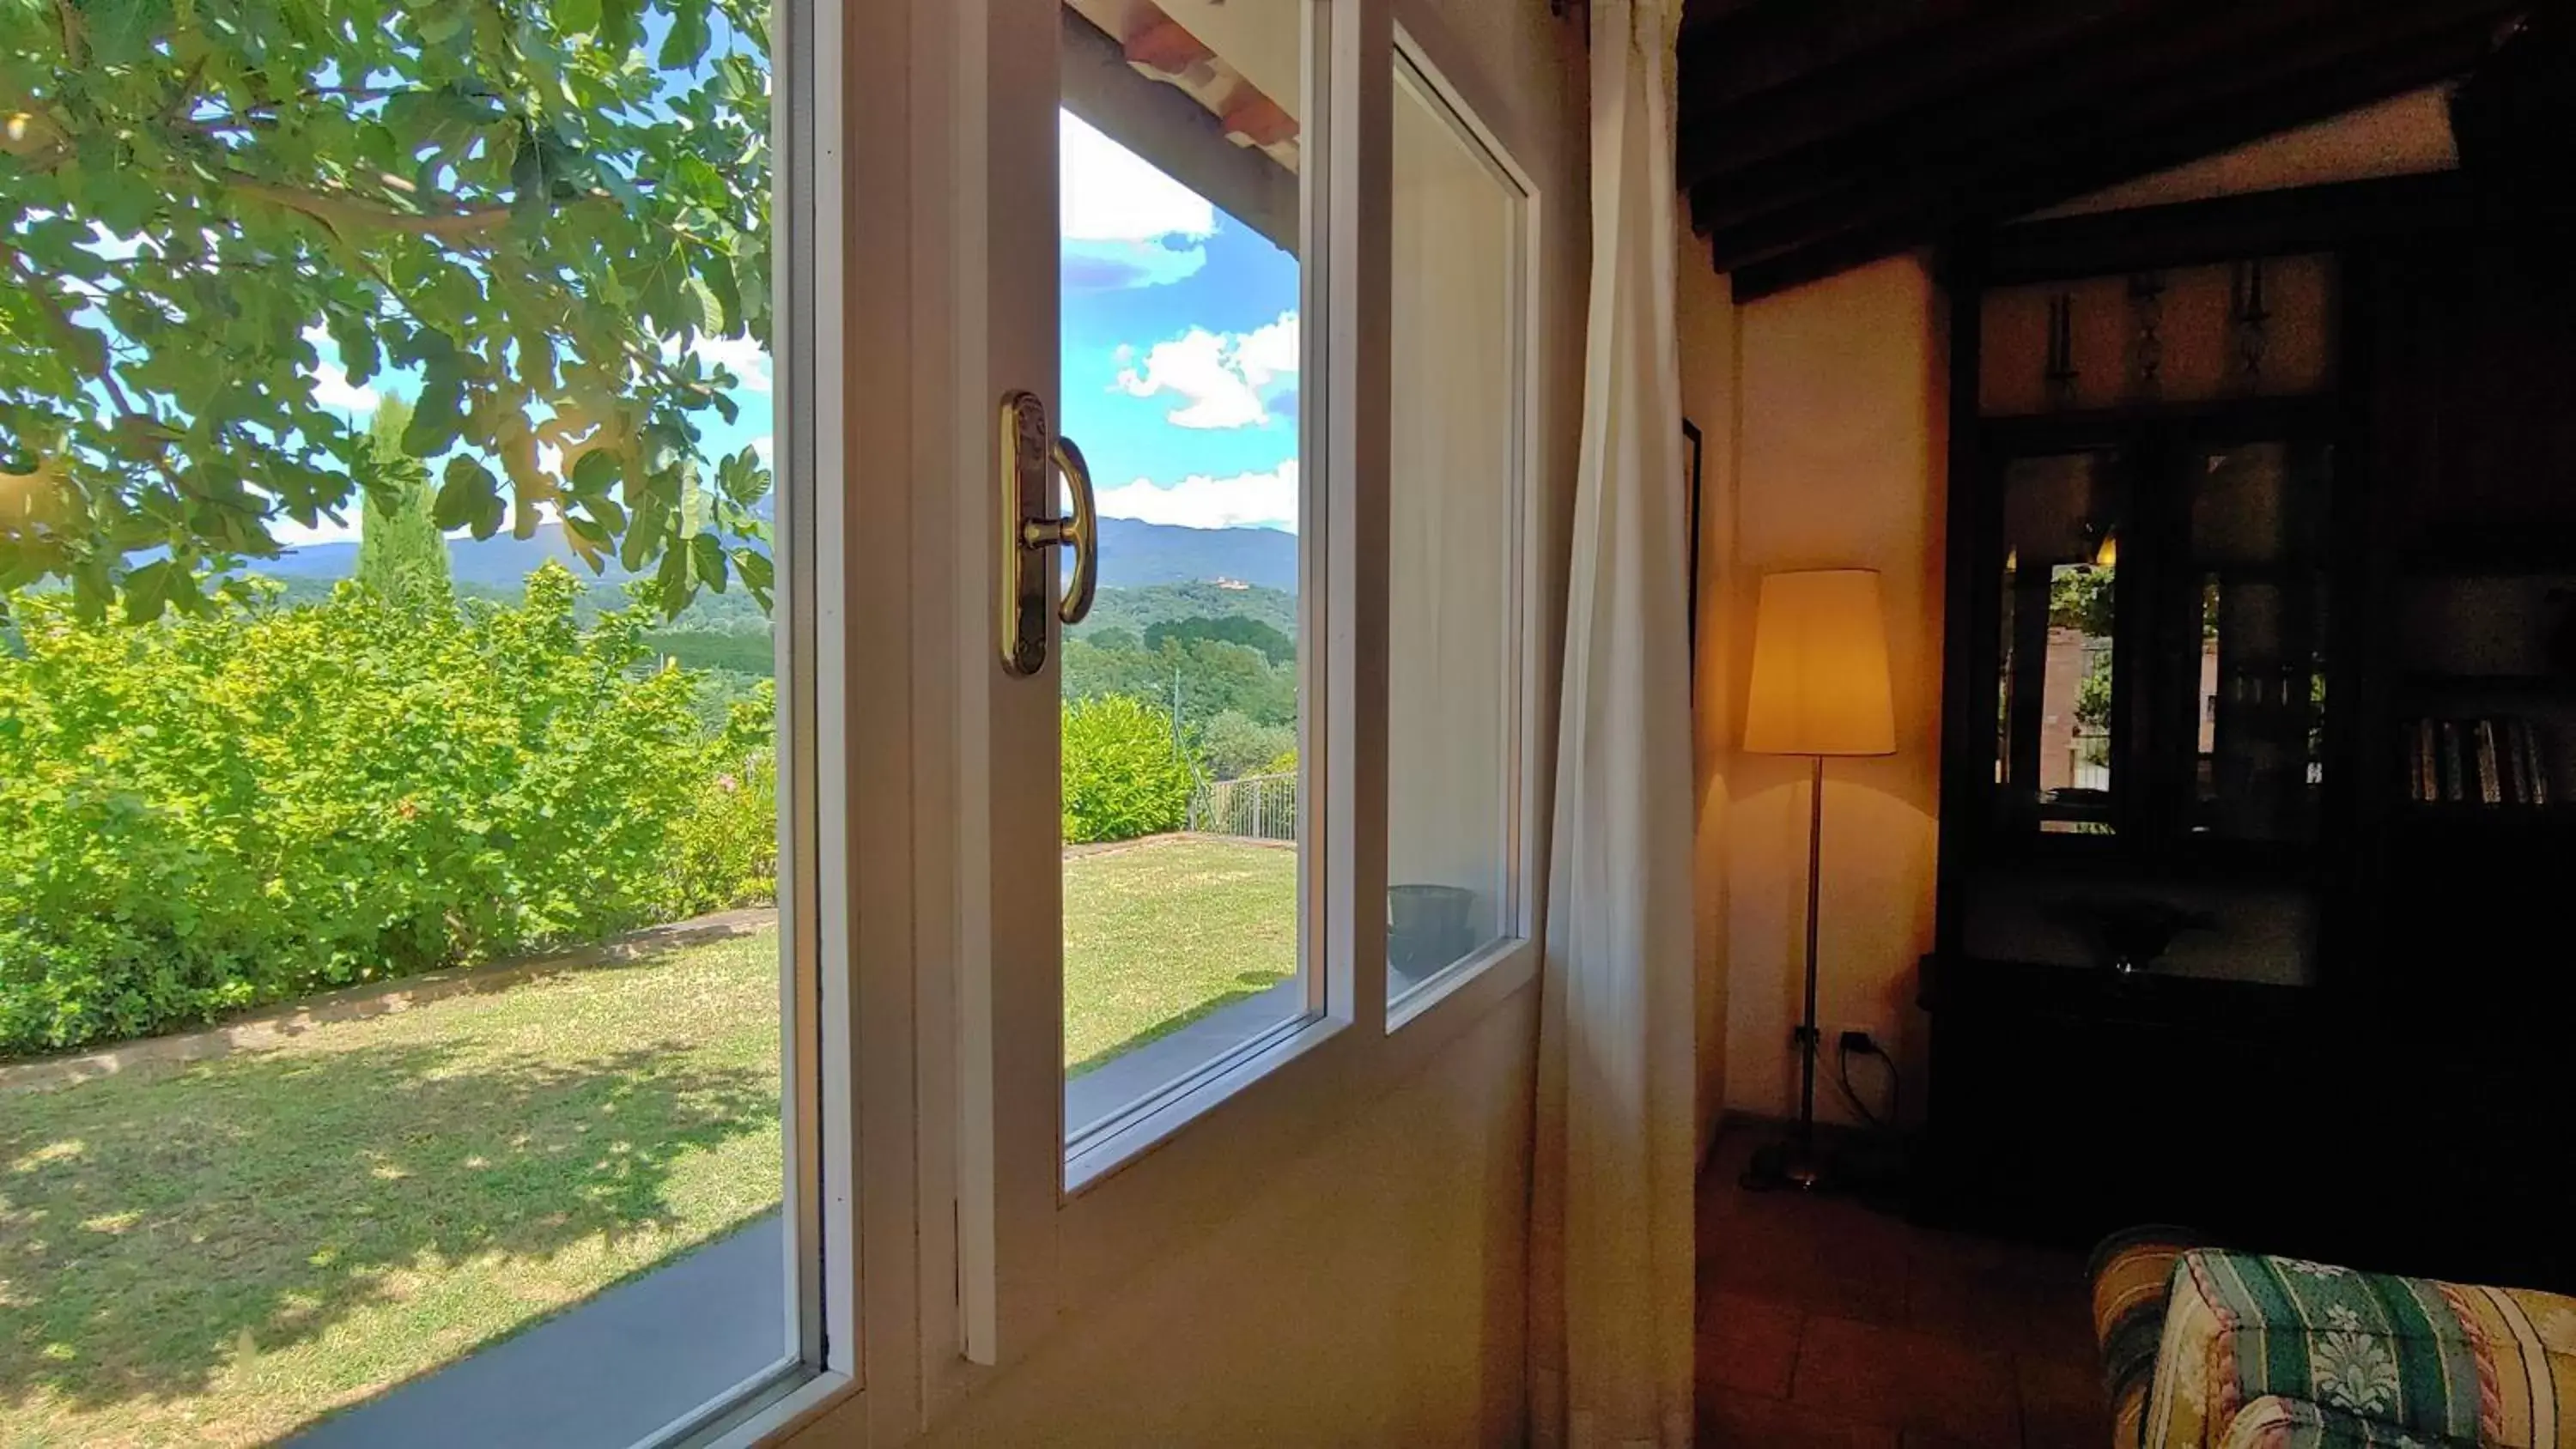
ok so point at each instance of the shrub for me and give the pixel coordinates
(726, 846)
(1233, 745)
(206, 814)
(1122, 777)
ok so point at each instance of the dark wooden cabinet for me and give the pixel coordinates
(2346, 1037)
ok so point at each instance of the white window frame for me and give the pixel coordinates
(979, 1235)
(844, 642)
(1524, 790)
(1059, 1234)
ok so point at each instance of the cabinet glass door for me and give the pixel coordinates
(2056, 756)
(2251, 617)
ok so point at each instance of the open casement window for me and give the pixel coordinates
(1457, 621)
(1173, 818)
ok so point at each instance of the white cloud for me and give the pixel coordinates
(767, 448)
(1219, 376)
(295, 535)
(1270, 351)
(331, 389)
(1247, 500)
(746, 359)
(331, 386)
(1109, 193)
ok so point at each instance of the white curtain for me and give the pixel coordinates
(1611, 1287)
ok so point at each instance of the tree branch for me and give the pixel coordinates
(69, 18)
(335, 208)
(24, 268)
(185, 94)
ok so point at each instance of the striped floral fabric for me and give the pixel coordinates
(2413, 1360)
(2131, 1274)
(2279, 1423)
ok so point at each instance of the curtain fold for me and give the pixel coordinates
(1611, 1220)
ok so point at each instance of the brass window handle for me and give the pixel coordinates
(1078, 531)
(1031, 526)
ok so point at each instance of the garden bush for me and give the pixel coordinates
(210, 813)
(726, 846)
(1122, 776)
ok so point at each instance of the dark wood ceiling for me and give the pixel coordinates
(1815, 135)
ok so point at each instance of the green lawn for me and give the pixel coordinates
(1159, 935)
(215, 1253)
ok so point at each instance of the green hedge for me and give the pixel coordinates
(206, 814)
(1122, 775)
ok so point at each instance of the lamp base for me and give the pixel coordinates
(1785, 1166)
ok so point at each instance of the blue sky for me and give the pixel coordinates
(1179, 330)
(1179, 379)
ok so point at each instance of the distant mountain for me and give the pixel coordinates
(1132, 555)
(499, 561)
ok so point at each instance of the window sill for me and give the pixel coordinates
(1165, 1066)
(621, 1369)
(1514, 958)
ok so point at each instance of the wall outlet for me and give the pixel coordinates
(1854, 1037)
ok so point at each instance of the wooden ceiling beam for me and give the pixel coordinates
(2103, 160)
(2007, 41)
(2119, 70)
(2181, 99)
(1754, 49)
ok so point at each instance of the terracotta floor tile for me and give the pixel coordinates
(1729, 1420)
(2061, 1326)
(2062, 1405)
(1821, 1255)
(1911, 1380)
(1748, 1344)
(1980, 1304)
(1874, 1328)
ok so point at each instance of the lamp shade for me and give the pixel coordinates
(1820, 667)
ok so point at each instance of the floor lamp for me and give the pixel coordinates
(1819, 688)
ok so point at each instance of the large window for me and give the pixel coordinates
(1181, 157)
(1455, 639)
(521, 865)
(401, 500)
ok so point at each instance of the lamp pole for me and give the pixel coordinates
(1802, 1167)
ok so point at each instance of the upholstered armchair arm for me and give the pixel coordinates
(2279, 1423)
(2329, 1354)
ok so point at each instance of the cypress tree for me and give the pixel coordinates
(402, 557)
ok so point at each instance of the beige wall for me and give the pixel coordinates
(1832, 404)
(1372, 1291)
(1706, 330)
(1373, 1295)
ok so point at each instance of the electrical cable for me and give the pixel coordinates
(1895, 1087)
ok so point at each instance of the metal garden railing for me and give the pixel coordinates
(1255, 807)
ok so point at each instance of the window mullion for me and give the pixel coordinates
(1352, 439)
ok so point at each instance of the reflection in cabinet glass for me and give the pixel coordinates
(2055, 762)
(2254, 595)
(2160, 639)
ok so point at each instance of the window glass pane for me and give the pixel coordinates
(390, 1027)
(1181, 159)
(1453, 682)
(2258, 529)
(2055, 757)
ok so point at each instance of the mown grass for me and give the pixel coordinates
(1159, 935)
(218, 1252)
